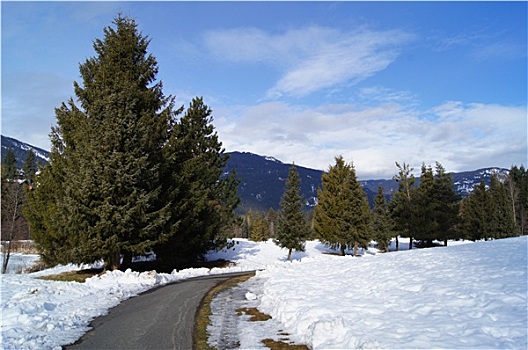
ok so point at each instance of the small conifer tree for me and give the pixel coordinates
(292, 229)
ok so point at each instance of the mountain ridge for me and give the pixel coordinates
(262, 178)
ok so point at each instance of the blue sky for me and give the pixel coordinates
(376, 82)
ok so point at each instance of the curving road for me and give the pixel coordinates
(162, 318)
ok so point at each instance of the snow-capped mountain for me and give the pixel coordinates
(21, 150)
(263, 178)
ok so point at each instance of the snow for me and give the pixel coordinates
(460, 296)
(465, 296)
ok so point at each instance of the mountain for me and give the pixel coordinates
(21, 150)
(262, 179)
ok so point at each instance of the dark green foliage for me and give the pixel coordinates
(202, 199)
(9, 166)
(124, 177)
(342, 216)
(401, 204)
(382, 224)
(436, 207)
(517, 186)
(292, 230)
(30, 167)
(488, 213)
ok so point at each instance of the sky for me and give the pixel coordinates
(304, 82)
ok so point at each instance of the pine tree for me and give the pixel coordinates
(30, 167)
(108, 152)
(342, 216)
(382, 224)
(9, 166)
(401, 203)
(292, 230)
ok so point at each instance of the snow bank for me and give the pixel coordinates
(466, 296)
(39, 314)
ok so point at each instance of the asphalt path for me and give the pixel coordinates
(162, 318)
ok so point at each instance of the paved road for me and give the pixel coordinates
(159, 319)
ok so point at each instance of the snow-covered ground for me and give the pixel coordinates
(462, 296)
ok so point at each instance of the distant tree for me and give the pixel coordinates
(476, 214)
(487, 212)
(259, 229)
(382, 224)
(9, 166)
(502, 215)
(423, 222)
(446, 206)
(292, 230)
(30, 167)
(13, 224)
(342, 216)
(401, 203)
(517, 185)
(272, 217)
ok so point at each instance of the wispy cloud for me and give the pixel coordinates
(311, 58)
(460, 136)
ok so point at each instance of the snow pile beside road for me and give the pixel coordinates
(39, 314)
(466, 296)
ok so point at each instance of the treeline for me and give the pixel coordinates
(129, 172)
(427, 214)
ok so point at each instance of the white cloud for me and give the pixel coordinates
(311, 58)
(460, 136)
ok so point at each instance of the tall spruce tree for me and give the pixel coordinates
(293, 229)
(203, 200)
(108, 153)
(342, 216)
(503, 217)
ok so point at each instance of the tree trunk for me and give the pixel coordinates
(410, 243)
(289, 255)
(7, 255)
(127, 261)
(355, 248)
(445, 242)
(342, 251)
(113, 261)
(397, 244)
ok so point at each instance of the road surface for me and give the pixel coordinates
(159, 319)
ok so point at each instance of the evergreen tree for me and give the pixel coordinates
(258, 229)
(446, 206)
(517, 184)
(30, 167)
(9, 166)
(292, 230)
(382, 224)
(401, 203)
(203, 200)
(108, 153)
(423, 222)
(476, 214)
(342, 216)
(503, 218)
